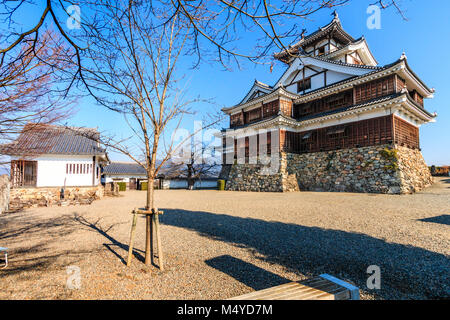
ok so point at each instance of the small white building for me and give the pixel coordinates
(55, 156)
(130, 173)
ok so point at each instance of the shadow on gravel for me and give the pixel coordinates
(95, 226)
(16, 225)
(246, 273)
(407, 272)
(442, 219)
(16, 230)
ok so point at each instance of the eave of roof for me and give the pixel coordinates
(431, 91)
(345, 64)
(419, 108)
(398, 98)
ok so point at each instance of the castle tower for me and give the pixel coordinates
(334, 121)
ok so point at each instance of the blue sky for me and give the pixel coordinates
(424, 39)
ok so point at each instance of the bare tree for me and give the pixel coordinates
(131, 70)
(391, 3)
(215, 26)
(29, 91)
(200, 163)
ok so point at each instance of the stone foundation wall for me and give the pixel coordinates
(245, 177)
(4, 193)
(414, 172)
(378, 169)
(248, 177)
(45, 197)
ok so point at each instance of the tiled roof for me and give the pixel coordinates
(121, 168)
(335, 22)
(362, 66)
(51, 139)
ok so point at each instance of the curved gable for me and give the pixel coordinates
(257, 90)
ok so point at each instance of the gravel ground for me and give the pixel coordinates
(221, 244)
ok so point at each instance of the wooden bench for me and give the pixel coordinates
(323, 287)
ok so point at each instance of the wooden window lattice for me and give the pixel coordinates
(23, 173)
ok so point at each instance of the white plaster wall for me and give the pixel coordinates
(51, 171)
(175, 184)
(333, 46)
(182, 184)
(292, 88)
(316, 81)
(333, 77)
(206, 184)
(309, 72)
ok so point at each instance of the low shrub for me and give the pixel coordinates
(122, 186)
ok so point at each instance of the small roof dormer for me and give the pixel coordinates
(357, 52)
(323, 41)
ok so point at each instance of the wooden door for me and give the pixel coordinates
(132, 184)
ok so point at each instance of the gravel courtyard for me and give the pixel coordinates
(221, 244)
